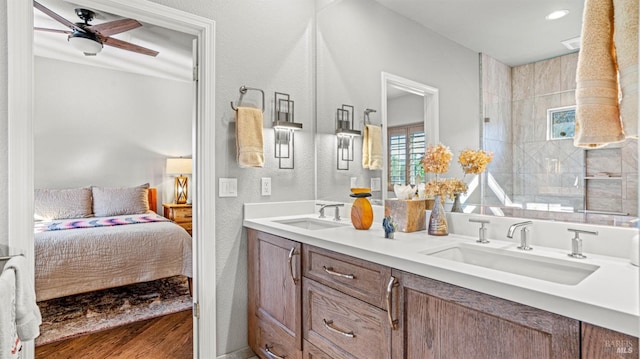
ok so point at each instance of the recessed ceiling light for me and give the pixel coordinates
(557, 14)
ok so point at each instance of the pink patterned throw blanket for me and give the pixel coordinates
(59, 225)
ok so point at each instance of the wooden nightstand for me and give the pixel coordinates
(181, 214)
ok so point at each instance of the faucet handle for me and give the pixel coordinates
(478, 220)
(482, 231)
(576, 242)
(578, 231)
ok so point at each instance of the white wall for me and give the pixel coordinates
(405, 110)
(349, 70)
(94, 126)
(3, 126)
(269, 45)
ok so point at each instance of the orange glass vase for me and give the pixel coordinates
(361, 210)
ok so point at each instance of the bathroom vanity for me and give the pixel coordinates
(330, 291)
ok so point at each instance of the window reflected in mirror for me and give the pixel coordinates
(406, 146)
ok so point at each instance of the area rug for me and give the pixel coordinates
(76, 315)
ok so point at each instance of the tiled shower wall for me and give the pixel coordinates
(497, 130)
(546, 173)
(528, 169)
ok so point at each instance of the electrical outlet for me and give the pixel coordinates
(265, 184)
(354, 182)
(375, 184)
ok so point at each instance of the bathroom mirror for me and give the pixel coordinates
(359, 40)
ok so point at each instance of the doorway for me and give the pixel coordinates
(20, 146)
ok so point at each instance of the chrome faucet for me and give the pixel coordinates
(576, 243)
(337, 206)
(524, 233)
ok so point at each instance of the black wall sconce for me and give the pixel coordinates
(345, 134)
(284, 128)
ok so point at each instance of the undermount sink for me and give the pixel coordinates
(310, 223)
(525, 264)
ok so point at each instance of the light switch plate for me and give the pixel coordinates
(354, 182)
(375, 184)
(265, 185)
(227, 187)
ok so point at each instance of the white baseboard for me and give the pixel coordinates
(244, 353)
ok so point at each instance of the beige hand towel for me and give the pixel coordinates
(597, 114)
(249, 138)
(626, 43)
(372, 147)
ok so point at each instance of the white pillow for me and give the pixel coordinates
(52, 204)
(117, 201)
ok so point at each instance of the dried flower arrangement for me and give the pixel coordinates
(474, 161)
(436, 160)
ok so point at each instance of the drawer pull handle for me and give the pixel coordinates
(292, 253)
(330, 270)
(188, 216)
(328, 324)
(392, 283)
(271, 354)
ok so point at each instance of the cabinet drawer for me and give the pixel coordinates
(181, 215)
(343, 326)
(273, 341)
(310, 351)
(188, 226)
(364, 280)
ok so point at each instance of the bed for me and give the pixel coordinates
(117, 239)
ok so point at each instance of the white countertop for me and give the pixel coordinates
(609, 297)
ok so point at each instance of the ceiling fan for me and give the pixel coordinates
(90, 38)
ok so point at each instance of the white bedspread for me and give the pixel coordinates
(87, 259)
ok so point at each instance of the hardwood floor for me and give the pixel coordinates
(170, 336)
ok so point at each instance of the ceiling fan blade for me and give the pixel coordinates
(55, 16)
(53, 30)
(129, 46)
(114, 27)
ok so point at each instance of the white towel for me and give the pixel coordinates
(9, 341)
(249, 138)
(597, 113)
(372, 147)
(28, 318)
(625, 37)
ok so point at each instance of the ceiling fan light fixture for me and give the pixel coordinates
(84, 43)
(557, 14)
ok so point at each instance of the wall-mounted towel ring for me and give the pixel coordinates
(367, 120)
(243, 91)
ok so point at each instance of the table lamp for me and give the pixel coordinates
(180, 167)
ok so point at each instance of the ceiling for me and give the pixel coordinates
(514, 32)
(174, 60)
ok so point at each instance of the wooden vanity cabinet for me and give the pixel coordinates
(275, 296)
(311, 303)
(440, 320)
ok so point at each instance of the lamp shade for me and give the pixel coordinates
(88, 46)
(179, 166)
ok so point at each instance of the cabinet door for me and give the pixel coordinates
(275, 290)
(440, 320)
(602, 343)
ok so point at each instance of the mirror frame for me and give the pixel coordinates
(431, 112)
